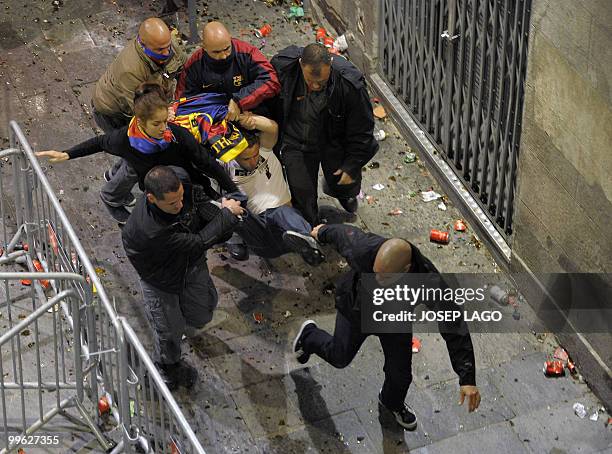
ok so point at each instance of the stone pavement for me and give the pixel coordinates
(252, 397)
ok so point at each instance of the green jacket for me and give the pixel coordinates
(114, 92)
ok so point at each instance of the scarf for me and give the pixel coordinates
(145, 144)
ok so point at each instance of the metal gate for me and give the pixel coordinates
(458, 66)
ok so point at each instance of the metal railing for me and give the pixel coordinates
(63, 349)
(458, 66)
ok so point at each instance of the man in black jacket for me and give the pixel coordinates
(166, 239)
(325, 118)
(371, 253)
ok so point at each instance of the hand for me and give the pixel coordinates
(345, 178)
(471, 392)
(53, 156)
(315, 232)
(232, 205)
(247, 120)
(233, 111)
(171, 113)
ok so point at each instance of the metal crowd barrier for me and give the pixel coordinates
(63, 348)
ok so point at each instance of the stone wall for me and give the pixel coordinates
(564, 192)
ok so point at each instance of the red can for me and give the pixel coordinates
(321, 34)
(438, 236)
(554, 369)
(263, 31)
(328, 41)
(460, 225)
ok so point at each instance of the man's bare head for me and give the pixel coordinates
(394, 256)
(155, 35)
(216, 41)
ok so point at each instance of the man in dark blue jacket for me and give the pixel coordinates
(371, 253)
(325, 118)
(166, 239)
(231, 66)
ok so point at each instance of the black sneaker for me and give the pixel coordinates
(238, 251)
(305, 245)
(351, 204)
(178, 374)
(300, 355)
(404, 417)
(107, 175)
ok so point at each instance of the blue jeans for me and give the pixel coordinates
(263, 233)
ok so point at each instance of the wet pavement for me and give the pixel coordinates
(252, 397)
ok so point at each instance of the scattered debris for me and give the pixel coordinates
(561, 354)
(342, 264)
(374, 165)
(378, 187)
(540, 337)
(26, 332)
(441, 206)
(594, 416)
(287, 314)
(370, 199)
(553, 369)
(328, 288)
(380, 135)
(103, 405)
(579, 410)
(361, 195)
(379, 112)
(295, 12)
(476, 242)
(321, 34)
(430, 196)
(416, 345)
(341, 44)
(460, 225)
(264, 31)
(258, 317)
(437, 236)
(410, 157)
(395, 212)
(571, 367)
(499, 295)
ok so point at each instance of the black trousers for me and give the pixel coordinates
(340, 349)
(302, 169)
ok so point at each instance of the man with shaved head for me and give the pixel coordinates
(153, 56)
(371, 253)
(228, 65)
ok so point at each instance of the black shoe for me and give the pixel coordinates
(178, 374)
(119, 214)
(351, 204)
(300, 355)
(238, 251)
(404, 417)
(305, 245)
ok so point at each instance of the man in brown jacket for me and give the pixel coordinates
(153, 56)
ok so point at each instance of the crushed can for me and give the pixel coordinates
(321, 34)
(438, 236)
(554, 369)
(263, 31)
(460, 226)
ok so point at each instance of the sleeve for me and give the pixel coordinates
(215, 230)
(109, 143)
(205, 163)
(189, 81)
(456, 334)
(351, 243)
(360, 143)
(265, 83)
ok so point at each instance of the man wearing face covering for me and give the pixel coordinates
(228, 65)
(153, 56)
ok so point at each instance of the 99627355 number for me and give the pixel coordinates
(34, 439)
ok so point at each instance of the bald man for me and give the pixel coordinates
(228, 65)
(153, 56)
(371, 253)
